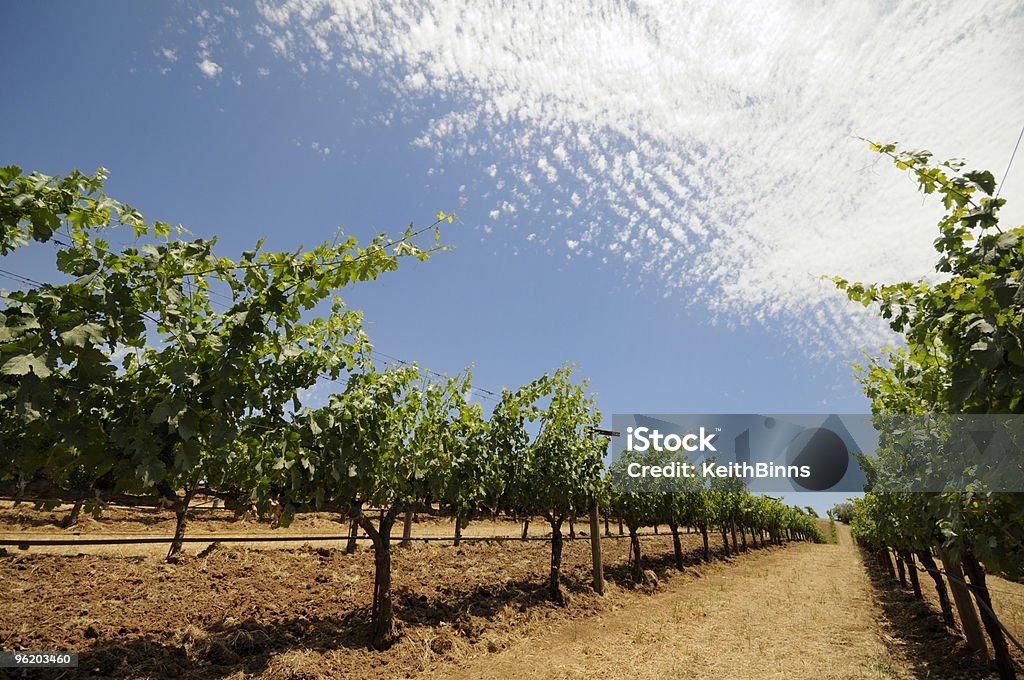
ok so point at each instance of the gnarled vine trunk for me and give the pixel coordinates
(634, 545)
(19, 496)
(407, 529)
(908, 559)
(886, 561)
(555, 578)
(382, 616)
(677, 547)
(353, 529)
(180, 519)
(976, 574)
(940, 586)
(76, 510)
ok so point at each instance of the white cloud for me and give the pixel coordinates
(416, 81)
(263, 72)
(711, 146)
(208, 68)
(169, 54)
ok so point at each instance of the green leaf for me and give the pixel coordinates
(23, 364)
(84, 335)
(166, 410)
(9, 173)
(150, 472)
(983, 179)
(188, 423)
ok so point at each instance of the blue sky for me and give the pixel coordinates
(649, 190)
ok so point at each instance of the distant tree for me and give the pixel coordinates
(843, 512)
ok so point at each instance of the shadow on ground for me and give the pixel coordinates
(248, 647)
(931, 649)
(220, 650)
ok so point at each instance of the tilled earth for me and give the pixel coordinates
(301, 613)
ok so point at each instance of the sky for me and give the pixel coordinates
(652, 190)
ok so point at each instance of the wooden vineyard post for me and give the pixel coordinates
(595, 528)
(595, 548)
(964, 605)
(595, 523)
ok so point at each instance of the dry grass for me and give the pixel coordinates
(804, 612)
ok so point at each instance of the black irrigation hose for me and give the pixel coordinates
(25, 544)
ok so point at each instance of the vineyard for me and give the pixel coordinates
(262, 609)
(157, 391)
(963, 355)
(470, 598)
(164, 370)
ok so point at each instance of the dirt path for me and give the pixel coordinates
(802, 612)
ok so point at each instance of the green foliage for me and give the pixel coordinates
(389, 439)
(197, 374)
(691, 501)
(842, 512)
(964, 353)
(559, 472)
(640, 504)
(34, 207)
(163, 367)
(964, 335)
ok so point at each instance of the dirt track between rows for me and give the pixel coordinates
(803, 612)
